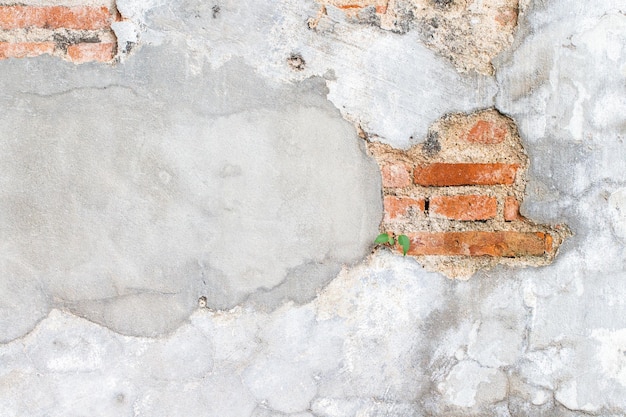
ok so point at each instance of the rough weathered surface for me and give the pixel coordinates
(384, 337)
(468, 33)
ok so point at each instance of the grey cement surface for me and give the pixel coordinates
(203, 165)
(127, 201)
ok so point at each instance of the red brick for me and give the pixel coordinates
(55, 17)
(25, 49)
(442, 174)
(501, 244)
(87, 52)
(511, 209)
(463, 207)
(359, 4)
(549, 241)
(396, 175)
(486, 133)
(381, 9)
(507, 16)
(399, 206)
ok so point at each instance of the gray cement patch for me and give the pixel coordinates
(129, 192)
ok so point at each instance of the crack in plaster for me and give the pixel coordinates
(80, 89)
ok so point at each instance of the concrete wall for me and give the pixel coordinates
(190, 192)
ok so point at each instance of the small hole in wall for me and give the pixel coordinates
(202, 302)
(296, 62)
(216, 10)
(426, 205)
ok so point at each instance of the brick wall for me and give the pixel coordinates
(457, 196)
(78, 32)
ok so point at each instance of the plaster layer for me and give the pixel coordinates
(190, 190)
(393, 104)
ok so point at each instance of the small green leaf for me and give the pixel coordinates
(382, 238)
(405, 242)
(391, 241)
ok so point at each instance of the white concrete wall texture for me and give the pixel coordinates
(187, 227)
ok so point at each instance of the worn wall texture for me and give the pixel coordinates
(190, 191)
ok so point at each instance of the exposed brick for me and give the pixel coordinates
(504, 244)
(511, 209)
(486, 133)
(507, 16)
(442, 174)
(548, 244)
(381, 5)
(25, 49)
(87, 52)
(396, 175)
(463, 207)
(55, 17)
(483, 225)
(396, 207)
